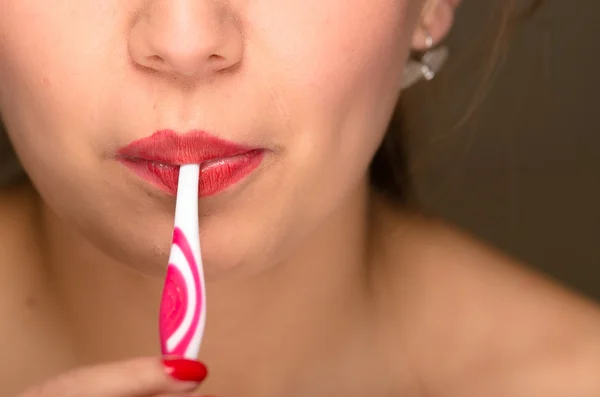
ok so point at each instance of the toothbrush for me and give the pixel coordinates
(183, 304)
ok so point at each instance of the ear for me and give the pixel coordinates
(437, 18)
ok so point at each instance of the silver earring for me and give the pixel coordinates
(425, 66)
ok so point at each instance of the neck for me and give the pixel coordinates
(259, 329)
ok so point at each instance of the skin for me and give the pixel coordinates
(316, 285)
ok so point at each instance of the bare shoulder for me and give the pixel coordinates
(481, 323)
(27, 330)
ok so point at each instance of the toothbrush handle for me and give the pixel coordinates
(183, 305)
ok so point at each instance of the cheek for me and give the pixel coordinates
(327, 52)
(53, 91)
(49, 85)
(339, 68)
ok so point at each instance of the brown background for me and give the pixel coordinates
(524, 172)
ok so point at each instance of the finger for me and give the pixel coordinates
(134, 378)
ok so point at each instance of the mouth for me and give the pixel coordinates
(157, 159)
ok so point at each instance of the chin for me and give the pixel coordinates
(148, 254)
(233, 256)
(144, 255)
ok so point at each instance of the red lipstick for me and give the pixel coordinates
(157, 158)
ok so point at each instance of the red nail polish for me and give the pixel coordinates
(185, 370)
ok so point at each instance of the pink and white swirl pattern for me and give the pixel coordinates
(182, 310)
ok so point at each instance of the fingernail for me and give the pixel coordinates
(185, 370)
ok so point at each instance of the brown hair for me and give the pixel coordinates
(390, 170)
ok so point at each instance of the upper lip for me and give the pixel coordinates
(193, 147)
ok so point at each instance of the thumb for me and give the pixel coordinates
(133, 378)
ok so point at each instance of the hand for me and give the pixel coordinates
(142, 377)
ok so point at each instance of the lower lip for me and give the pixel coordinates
(215, 176)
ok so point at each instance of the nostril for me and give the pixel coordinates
(175, 43)
(216, 60)
(153, 62)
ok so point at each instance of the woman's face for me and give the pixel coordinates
(310, 83)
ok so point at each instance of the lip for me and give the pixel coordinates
(157, 158)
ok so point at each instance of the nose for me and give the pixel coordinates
(188, 38)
